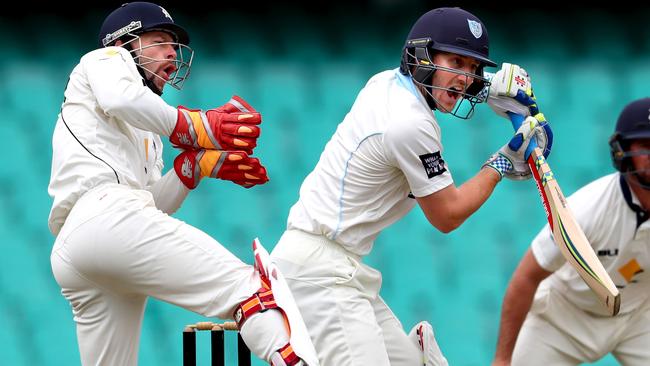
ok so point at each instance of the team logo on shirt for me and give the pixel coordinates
(433, 164)
(608, 252)
(630, 270)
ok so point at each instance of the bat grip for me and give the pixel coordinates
(517, 120)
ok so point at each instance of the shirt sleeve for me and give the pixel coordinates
(545, 250)
(414, 147)
(169, 192)
(120, 92)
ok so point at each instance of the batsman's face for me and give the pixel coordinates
(451, 80)
(157, 56)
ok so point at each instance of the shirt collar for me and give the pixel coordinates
(406, 82)
(641, 214)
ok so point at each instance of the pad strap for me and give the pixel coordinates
(289, 357)
(260, 301)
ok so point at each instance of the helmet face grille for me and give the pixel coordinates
(418, 63)
(633, 124)
(130, 20)
(182, 63)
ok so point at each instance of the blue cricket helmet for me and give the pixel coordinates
(452, 30)
(138, 17)
(633, 123)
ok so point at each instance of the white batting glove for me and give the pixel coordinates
(511, 160)
(504, 87)
(509, 80)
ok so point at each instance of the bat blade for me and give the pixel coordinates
(569, 237)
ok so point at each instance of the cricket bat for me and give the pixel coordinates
(567, 234)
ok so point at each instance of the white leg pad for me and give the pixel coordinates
(422, 336)
(299, 337)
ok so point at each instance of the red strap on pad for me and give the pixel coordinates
(290, 358)
(260, 301)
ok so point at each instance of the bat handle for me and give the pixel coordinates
(517, 120)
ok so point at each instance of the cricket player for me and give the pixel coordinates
(116, 244)
(564, 323)
(384, 158)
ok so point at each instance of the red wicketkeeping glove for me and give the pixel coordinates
(235, 166)
(233, 126)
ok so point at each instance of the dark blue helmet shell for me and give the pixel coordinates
(139, 17)
(452, 30)
(633, 123)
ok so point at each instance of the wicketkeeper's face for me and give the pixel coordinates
(157, 56)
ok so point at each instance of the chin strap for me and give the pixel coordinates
(430, 101)
(148, 82)
(642, 182)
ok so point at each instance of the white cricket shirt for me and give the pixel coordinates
(610, 226)
(102, 133)
(388, 145)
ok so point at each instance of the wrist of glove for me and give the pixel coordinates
(235, 166)
(500, 163)
(511, 159)
(233, 126)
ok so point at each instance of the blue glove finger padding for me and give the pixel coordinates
(528, 101)
(517, 140)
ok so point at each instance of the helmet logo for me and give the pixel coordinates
(165, 13)
(475, 28)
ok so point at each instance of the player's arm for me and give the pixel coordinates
(516, 304)
(120, 93)
(169, 192)
(449, 207)
(191, 166)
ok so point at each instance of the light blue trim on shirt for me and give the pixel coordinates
(406, 82)
(345, 173)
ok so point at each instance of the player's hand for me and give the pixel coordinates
(233, 126)
(510, 91)
(511, 160)
(235, 166)
(509, 80)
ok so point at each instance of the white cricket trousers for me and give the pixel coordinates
(116, 249)
(557, 333)
(338, 297)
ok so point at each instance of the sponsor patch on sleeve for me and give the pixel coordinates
(111, 52)
(433, 164)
